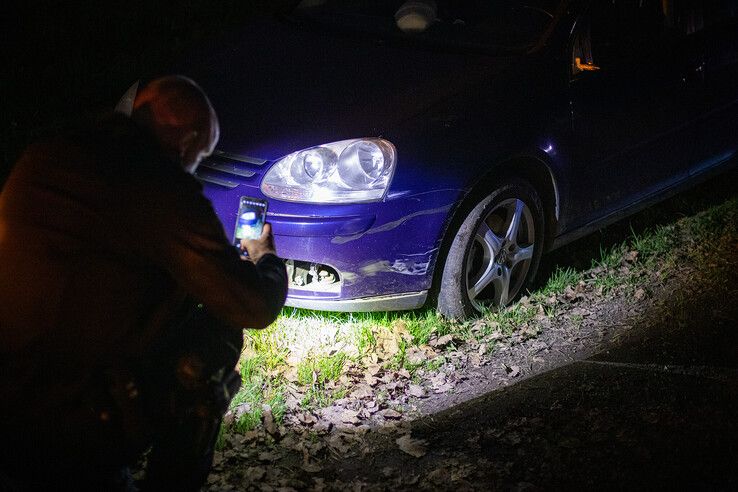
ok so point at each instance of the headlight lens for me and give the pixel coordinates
(338, 172)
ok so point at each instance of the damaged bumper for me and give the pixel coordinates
(377, 256)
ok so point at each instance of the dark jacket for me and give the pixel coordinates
(101, 242)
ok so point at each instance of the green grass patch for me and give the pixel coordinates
(509, 319)
(321, 370)
(365, 339)
(424, 324)
(315, 373)
(653, 243)
(559, 280)
(610, 258)
(608, 282)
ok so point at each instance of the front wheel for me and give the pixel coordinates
(495, 253)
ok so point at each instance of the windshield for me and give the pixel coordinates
(498, 24)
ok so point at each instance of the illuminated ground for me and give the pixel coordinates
(633, 384)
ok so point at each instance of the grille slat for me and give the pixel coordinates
(227, 168)
(239, 158)
(212, 179)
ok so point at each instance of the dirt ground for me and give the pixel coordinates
(633, 390)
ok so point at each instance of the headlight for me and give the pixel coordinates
(338, 172)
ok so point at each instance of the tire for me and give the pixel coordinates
(489, 263)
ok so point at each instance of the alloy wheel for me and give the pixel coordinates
(500, 254)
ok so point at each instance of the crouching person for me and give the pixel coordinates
(122, 303)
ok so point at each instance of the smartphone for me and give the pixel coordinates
(250, 219)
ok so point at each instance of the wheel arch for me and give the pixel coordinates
(533, 169)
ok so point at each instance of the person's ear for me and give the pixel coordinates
(187, 144)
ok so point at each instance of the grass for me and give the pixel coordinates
(560, 280)
(655, 242)
(321, 370)
(610, 258)
(310, 351)
(425, 323)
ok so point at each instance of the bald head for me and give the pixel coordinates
(179, 115)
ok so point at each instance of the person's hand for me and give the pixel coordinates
(256, 248)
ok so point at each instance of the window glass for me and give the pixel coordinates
(691, 16)
(619, 31)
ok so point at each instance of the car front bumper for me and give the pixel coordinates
(395, 302)
(368, 257)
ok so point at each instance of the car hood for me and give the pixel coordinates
(279, 87)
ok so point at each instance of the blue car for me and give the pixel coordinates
(416, 152)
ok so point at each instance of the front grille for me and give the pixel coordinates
(229, 170)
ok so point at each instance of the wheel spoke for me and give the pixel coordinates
(502, 285)
(512, 231)
(521, 254)
(489, 274)
(489, 240)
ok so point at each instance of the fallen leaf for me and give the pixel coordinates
(350, 417)
(292, 403)
(307, 418)
(442, 341)
(319, 484)
(640, 294)
(311, 467)
(478, 325)
(399, 328)
(269, 425)
(630, 256)
(416, 390)
(390, 346)
(444, 388)
(413, 447)
(569, 292)
(255, 473)
(438, 379)
(512, 371)
(362, 391)
(339, 445)
(322, 426)
(268, 456)
(390, 414)
(475, 359)
(415, 355)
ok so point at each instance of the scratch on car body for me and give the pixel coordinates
(390, 225)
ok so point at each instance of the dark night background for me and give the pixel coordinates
(65, 60)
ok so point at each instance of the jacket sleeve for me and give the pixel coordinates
(176, 228)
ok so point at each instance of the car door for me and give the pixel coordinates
(633, 110)
(713, 26)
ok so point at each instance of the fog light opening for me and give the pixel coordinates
(312, 276)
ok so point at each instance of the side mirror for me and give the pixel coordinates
(580, 66)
